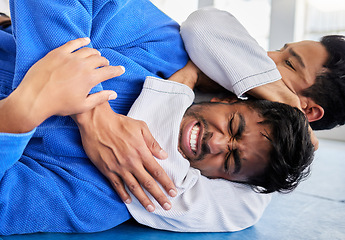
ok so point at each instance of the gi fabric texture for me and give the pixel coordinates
(223, 49)
(53, 186)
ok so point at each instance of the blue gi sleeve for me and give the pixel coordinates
(40, 26)
(12, 148)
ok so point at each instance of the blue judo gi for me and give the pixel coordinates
(47, 182)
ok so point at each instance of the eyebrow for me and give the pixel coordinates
(294, 54)
(240, 130)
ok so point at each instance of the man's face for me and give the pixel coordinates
(299, 63)
(225, 140)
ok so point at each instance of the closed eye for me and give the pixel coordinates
(227, 157)
(288, 63)
(230, 125)
(239, 132)
(226, 162)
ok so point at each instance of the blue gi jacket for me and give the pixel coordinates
(47, 182)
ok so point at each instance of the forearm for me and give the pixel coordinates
(16, 129)
(17, 115)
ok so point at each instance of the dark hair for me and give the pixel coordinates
(7, 21)
(292, 150)
(328, 91)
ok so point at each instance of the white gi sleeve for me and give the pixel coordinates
(223, 49)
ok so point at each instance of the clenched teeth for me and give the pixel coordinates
(193, 137)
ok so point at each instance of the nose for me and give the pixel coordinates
(274, 55)
(219, 143)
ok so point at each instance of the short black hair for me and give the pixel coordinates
(7, 21)
(328, 91)
(292, 150)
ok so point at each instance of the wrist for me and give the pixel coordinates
(16, 115)
(87, 118)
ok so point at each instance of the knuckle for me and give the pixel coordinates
(103, 59)
(111, 169)
(148, 184)
(59, 55)
(155, 145)
(133, 186)
(157, 173)
(117, 183)
(129, 164)
(108, 167)
(78, 65)
(161, 199)
(94, 51)
(142, 123)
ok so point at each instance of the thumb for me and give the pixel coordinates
(98, 98)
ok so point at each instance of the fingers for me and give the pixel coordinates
(73, 45)
(137, 179)
(136, 184)
(149, 183)
(98, 98)
(158, 173)
(153, 167)
(136, 189)
(107, 72)
(93, 59)
(153, 145)
(133, 185)
(119, 187)
(102, 70)
(86, 52)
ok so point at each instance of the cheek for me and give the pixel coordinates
(286, 76)
(210, 166)
(257, 162)
(257, 157)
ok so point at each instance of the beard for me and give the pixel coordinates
(195, 111)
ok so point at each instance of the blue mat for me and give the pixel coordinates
(315, 210)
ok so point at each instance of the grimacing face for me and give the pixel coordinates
(299, 63)
(225, 140)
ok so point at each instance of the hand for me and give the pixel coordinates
(122, 148)
(59, 84)
(278, 91)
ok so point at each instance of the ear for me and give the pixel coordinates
(313, 111)
(215, 99)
